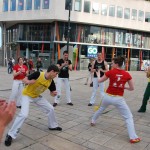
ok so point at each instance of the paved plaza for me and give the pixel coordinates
(110, 132)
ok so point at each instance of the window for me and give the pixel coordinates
(147, 17)
(77, 5)
(95, 8)
(13, 5)
(37, 4)
(5, 5)
(28, 4)
(134, 14)
(141, 15)
(104, 10)
(87, 5)
(127, 13)
(119, 12)
(112, 10)
(45, 4)
(68, 4)
(20, 4)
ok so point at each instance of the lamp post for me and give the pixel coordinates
(68, 36)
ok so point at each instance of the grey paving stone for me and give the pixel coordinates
(110, 132)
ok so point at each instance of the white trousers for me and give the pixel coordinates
(120, 104)
(96, 84)
(16, 93)
(58, 88)
(23, 114)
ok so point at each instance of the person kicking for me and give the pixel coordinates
(36, 84)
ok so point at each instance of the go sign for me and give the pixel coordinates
(92, 50)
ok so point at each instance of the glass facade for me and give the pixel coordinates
(37, 4)
(141, 15)
(78, 5)
(20, 5)
(43, 37)
(45, 4)
(112, 11)
(104, 10)
(127, 13)
(147, 17)
(119, 12)
(12, 5)
(95, 8)
(134, 14)
(28, 4)
(5, 5)
(87, 6)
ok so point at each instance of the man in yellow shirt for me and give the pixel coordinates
(36, 84)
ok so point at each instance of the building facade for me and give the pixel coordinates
(39, 28)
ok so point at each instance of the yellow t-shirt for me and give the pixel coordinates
(34, 90)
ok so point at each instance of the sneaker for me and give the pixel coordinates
(85, 84)
(135, 140)
(57, 128)
(55, 104)
(70, 104)
(8, 140)
(92, 124)
(18, 107)
(141, 111)
(89, 104)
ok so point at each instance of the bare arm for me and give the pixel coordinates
(27, 81)
(16, 73)
(106, 67)
(131, 87)
(101, 79)
(53, 93)
(92, 68)
(7, 112)
(70, 67)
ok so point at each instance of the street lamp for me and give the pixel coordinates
(68, 36)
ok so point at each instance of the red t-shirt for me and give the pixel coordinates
(118, 79)
(22, 75)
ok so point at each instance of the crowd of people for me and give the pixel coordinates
(28, 87)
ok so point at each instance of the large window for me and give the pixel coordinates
(119, 12)
(77, 5)
(141, 15)
(104, 10)
(87, 6)
(13, 5)
(112, 10)
(20, 4)
(134, 14)
(5, 5)
(28, 4)
(147, 17)
(37, 4)
(95, 8)
(127, 13)
(45, 4)
(68, 4)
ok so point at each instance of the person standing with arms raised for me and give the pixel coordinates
(102, 65)
(65, 66)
